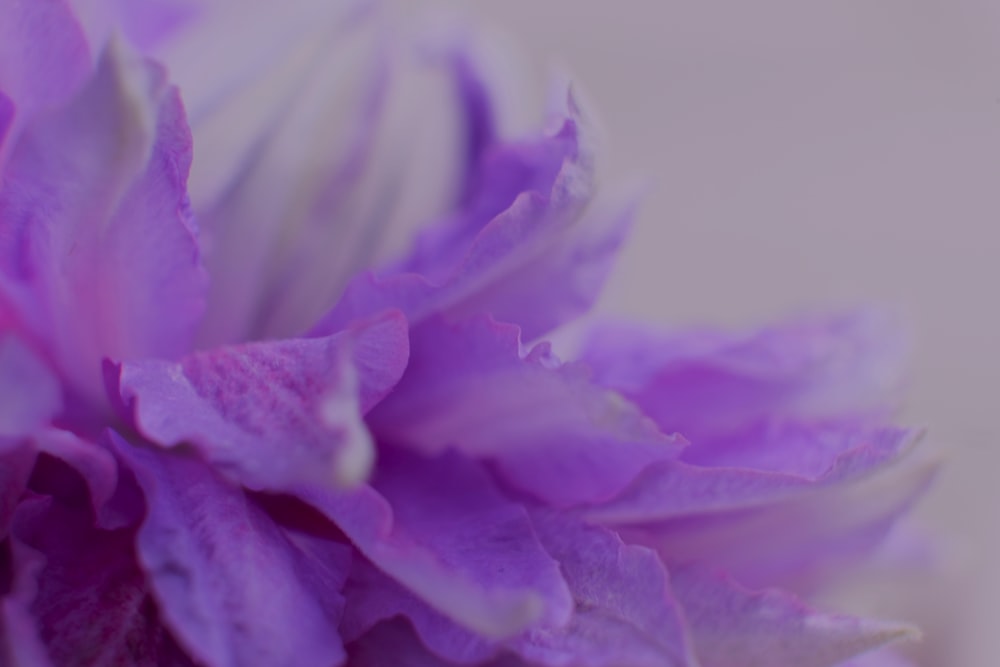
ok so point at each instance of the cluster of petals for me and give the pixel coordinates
(237, 429)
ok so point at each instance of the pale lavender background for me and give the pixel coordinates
(820, 152)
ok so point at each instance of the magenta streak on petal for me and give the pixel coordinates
(274, 415)
(92, 605)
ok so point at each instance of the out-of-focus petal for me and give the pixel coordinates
(372, 598)
(30, 395)
(17, 459)
(522, 224)
(95, 464)
(710, 385)
(549, 431)
(288, 231)
(7, 111)
(826, 455)
(150, 23)
(91, 606)
(395, 643)
(238, 62)
(228, 582)
(94, 222)
(45, 55)
(20, 645)
(734, 627)
(798, 542)
(884, 658)
(273, 415)
(441, 529)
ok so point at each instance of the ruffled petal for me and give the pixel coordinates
(520, 248)
(734, 627)
(821, 455)
(228, 582)
(91, 604)
(441, 529)
(273, 416)
(801, 541)
(548, 430)
(624, 612)
(94, 221)
(709, 385)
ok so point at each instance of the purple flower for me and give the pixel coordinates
(227, 440)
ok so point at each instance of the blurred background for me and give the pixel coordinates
(830, 153)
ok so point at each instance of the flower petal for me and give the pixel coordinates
(879, 659)
(44, 53)
(240, 93)
(30, 395)
(825, 455)
(7, 111)
(93, 217)
(228, 582)
(395, 643)
(19, 640)
(17, 460)
(91, 605)
(95, 465)
(624, 612)
(373, 597)
(289, 230)
(734, 627)
(273, 415)
(521, 225)
(548, 430)
(800, 541)
(441, 529)
(709, 385)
